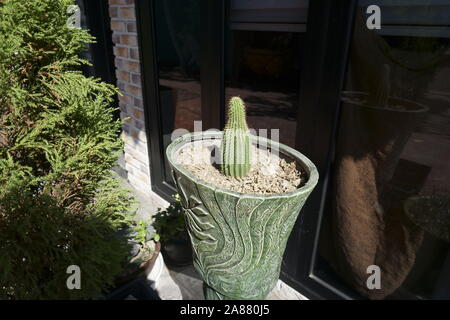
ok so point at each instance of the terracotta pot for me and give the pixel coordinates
(266, 62)
(132, 272)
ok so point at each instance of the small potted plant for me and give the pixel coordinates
(239, 212)
(143, 251)
(171, 232)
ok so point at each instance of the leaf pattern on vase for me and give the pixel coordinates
(238, 241)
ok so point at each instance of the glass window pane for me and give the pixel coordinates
(390, 190)
(264, 45)
(177, 33)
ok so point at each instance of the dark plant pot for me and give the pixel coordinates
(238, 240)
(177, 253)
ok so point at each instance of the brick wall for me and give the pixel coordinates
(123, 25)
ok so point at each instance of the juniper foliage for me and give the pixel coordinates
(59, 200)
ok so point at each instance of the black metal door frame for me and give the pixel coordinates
(150, 92)
(212, 68)
(329, 28)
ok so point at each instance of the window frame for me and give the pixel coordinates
(329, 30)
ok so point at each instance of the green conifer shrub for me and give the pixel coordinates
(59, 201)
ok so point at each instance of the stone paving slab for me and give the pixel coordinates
(185, 284)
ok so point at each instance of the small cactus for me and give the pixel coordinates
(236, 141)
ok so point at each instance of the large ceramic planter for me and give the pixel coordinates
(238, 239)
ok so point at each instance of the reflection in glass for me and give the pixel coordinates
(264, 45)
(177, 33)
(391, 170)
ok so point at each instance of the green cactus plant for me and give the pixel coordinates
(236, 141)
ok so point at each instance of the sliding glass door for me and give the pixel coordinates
(198, 53)
(389, 208)
(370, 107)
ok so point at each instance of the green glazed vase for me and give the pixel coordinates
(238, 239)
